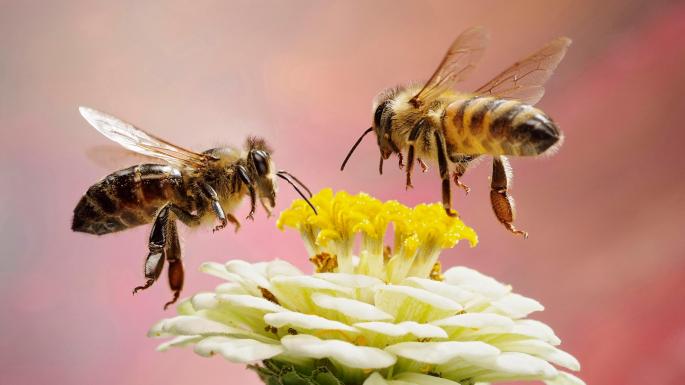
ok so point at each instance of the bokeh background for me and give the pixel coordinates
(606, 251)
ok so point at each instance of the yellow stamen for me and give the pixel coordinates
(420, 233)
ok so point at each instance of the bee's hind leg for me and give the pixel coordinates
(173, 256)
(444, 173)
(164, 245)
(157, 251)
(502, 202)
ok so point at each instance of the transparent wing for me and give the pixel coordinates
(141, 142)
(525, 79)
(113, 157)
(459, 61)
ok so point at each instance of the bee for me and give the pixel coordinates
(434, 122)
(195, 188)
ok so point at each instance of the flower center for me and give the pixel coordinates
(419, 234)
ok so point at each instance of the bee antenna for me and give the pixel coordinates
(349, 154)
(298, 191)
(296, 181)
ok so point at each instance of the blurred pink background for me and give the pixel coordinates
(606, 251)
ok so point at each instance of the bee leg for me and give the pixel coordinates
(400, 160)
(413, 135)
(444, 173)
(266, 208)
(245, 178)
(157, 254)
(502, 202)
(459, 170)
(210, 194)
(173, 256)
(424, 167)
(234, 221)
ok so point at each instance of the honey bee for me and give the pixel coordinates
(192, 187)
(456, 128)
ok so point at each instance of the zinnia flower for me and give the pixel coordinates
(380, 315)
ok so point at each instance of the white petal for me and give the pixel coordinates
(452, 292)
(202, 301)
(543, 350)
(305, 321)
(217, 270)
(178, 342)
(237, 350)
(295, 292)
(357, 281)
(361, 357)
(280, 267)
(516, 305)
(441, 352)
(402, 329)
(230, 288)
(308, 282)
(190, 325)
(375, 379)
(513, 365)
(565, 379)
(248, 301)
(413, 304)
(255, 274)
(423, 379)
(473, 280)
(351, 308)
(476, 321)
(536, 329)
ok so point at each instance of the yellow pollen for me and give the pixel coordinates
(331, 237)
(325, 263)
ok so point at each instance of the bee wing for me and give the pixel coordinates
(461, 58)
(525, 79)
(141, 142)
(115, 157)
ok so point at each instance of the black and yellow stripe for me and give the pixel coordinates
(478, 124)
(127, 198)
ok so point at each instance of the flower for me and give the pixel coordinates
(374, 317)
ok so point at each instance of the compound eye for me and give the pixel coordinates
(379, 113)
(259, 159)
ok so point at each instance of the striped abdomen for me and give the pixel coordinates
(128, 198)
(487, 125)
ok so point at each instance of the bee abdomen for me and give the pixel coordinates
(127, 198)
(489, 125)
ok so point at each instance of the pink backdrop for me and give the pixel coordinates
(605, 214)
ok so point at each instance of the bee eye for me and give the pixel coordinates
(259, 159)
(379, 113)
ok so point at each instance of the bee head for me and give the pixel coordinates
(382, 117)
(381, 126)
(262, 167)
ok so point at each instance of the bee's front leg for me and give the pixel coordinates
(413, 135)
(424, 166)
(400, 160)
(266, 208)
(210, 194)
(502, 202)
(234, 221)
(245, 178)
